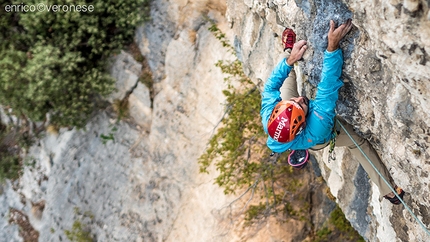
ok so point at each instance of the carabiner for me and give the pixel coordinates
(331, 156)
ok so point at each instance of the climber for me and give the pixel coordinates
(294, 122)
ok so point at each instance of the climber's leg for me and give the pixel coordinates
(289, 87)
(344, 140)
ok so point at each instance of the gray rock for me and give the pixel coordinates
(385, 96)
(126, 72)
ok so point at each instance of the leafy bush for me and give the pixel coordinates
(56, 62)
(81, 229)
(78, 234)
(239, 151)
(338, 228)
(9, 167)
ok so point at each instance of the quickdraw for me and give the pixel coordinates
(332, 153)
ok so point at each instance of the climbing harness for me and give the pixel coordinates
(386, 182)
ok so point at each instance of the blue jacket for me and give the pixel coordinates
(321, 112)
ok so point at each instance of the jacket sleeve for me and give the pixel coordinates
(271, 94)
(327, 91)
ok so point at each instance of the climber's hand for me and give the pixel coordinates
(297, 52)
(335, 35)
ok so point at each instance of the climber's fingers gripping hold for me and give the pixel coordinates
(335, 35)
(301, 45)
(297, 52)
(344, 28)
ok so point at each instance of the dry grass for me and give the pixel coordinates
(192, 34)
(134, 50)
(37, 209)
(196, 7)
(52, 129)
(121, 108)
(329, 194)
(147, 79)
(217, 5)
(206, 6)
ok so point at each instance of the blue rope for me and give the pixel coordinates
(388, 184)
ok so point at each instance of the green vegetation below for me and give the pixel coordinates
(338, 228)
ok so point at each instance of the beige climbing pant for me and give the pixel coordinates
(289, 90)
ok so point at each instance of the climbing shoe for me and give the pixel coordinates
(395, 200)
(298, 159)
(288, 38)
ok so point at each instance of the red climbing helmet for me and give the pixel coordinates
(286, 121)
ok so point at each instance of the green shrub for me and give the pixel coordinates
(338, 228)
(78, 234)
(239, 152)
(56, 62)
(80, 231)
(338, 219)
(9, 167)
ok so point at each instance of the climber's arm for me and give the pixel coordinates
(327, 93)
(272, 94)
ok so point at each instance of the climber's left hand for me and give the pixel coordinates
(297, 52)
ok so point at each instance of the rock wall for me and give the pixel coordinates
(138, 180)
(385, 97)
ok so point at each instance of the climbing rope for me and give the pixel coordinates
(386, 182)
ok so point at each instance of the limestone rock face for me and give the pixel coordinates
(386, 97)
(138, 179)
(126, 71)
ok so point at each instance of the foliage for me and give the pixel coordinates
(9, 167)
(240, 131)
(12, 140)
(56, 62)
(239, 152)
(121, 108)
(338, 228)
(106, 138)
(337, 218)
(78, 234)
(222, 38)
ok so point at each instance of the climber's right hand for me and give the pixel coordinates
(335, 35)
